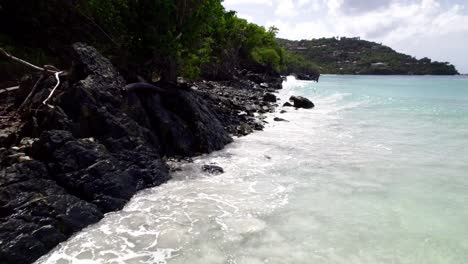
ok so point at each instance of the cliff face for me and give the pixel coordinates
(63, 167)
(356, 56)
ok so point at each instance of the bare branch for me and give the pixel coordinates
(57, 74)
(4, 90)
(33, 91)
(30, 65)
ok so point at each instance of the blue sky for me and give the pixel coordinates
(423, 28)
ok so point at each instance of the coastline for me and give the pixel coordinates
(64, 167)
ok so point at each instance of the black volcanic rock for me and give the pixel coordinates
(301, 102)
(307, 77)
(269, 97)
(279, 119)
(101, 143)
(37, 213)
(212, 169)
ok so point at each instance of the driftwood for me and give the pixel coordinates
(33, 91)
(46, 71)
(9, 89)
(23, 62)
(57, 77)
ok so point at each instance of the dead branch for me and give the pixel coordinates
(33, 91)
(46, 71)
(9, 89)
(28, 64)
(57, 77)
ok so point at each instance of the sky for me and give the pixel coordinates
(437, 29)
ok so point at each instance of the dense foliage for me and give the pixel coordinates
(152, 38)
(355, 56)
(295, 63)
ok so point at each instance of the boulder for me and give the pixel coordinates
(244, 129)
(269, 97)
(98, 176)
(301, 102)
(256, 78)
(37, 213)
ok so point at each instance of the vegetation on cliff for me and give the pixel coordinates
(356, 56)
(151, 38)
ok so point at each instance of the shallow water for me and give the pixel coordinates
(376, 173)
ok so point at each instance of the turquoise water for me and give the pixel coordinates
(376, 173)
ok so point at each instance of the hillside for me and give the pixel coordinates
(356, 56)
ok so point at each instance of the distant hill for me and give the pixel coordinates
(356, 56)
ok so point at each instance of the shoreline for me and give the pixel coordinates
(64, 167)
(183, 172)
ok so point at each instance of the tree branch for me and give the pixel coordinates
(33, 91)
(57, 74)
(18, 60)
(4, 90)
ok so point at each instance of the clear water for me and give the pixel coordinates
(376, 173)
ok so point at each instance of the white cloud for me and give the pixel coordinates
(246, 17)
(312, 5)
(334, 5)
(232, 3)
(285, 8)
(400, 20)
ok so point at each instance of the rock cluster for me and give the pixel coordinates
(63, 167)
(239, 102)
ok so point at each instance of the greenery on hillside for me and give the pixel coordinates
(355, 56)
(151, 38)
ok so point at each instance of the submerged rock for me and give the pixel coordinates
(279, 119)
(212, 169)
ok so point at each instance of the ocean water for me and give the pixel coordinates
(376, 173)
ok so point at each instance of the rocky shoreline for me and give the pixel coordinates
(65, 165)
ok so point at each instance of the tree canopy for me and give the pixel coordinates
(154, 38)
